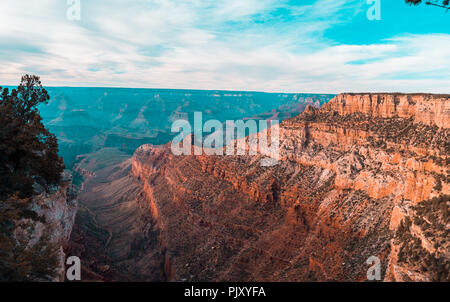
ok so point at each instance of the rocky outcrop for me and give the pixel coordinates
(350, 175)
(56, 209)
(428, 109)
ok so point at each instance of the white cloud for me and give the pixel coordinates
(233, 45)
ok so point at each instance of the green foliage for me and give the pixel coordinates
(28, 151)
(28, 155)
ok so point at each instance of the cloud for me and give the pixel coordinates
(234, 45)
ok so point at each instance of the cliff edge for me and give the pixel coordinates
(38, 233)
(365, 175)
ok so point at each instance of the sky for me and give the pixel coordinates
(317, 46)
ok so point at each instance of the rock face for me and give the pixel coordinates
(422, 108)
(366, 175)
(57, 208)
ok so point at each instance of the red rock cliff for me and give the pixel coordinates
(366, 175)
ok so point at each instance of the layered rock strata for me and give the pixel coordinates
(365, 175)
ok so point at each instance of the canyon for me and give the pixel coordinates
(363, 175)
(87, 119)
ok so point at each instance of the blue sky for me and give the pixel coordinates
(326, 46)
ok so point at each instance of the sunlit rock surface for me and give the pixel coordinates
(366, 175)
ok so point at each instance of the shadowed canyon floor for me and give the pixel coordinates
(366, 175)
(112, 231)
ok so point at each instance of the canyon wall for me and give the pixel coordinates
(365, 175)
(45, 238)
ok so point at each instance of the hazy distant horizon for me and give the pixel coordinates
(180, 89)
(244, 91)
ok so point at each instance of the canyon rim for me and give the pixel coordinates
(224, 149)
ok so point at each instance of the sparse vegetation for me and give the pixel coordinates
(18, 260)
(430, 216)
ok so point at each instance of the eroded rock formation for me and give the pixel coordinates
(366, 175)
(42, 241)
(350, 173)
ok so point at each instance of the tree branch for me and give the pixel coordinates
(438, 5)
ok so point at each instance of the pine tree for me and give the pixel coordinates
(28, 151)
(28, 155)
